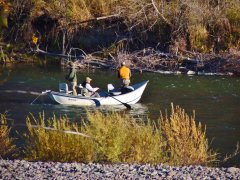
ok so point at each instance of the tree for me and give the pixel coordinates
(4, 11)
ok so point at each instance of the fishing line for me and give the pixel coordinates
(35, 99)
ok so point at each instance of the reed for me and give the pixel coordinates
(6, 142)
(186, 140)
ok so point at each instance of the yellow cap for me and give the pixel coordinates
(88, 79)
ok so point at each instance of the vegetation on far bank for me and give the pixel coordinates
(176, 139)
(194, 25)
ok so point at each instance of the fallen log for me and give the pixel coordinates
(57, 55)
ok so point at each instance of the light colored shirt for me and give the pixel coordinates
(90, 88)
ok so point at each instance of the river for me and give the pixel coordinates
(215, 99)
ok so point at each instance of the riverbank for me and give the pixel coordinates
(20, 169)
(144, 60)
(153, 60)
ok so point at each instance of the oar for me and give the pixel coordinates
(125, 104)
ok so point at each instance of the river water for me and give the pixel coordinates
(215, 99)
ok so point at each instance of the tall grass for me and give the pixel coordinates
(122, 139)
(56, 145)
(114, 137)
(6, 142)
(186, 139)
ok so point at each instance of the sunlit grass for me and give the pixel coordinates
(186, 140)
(115, 137)
(6, 142)
(55, 144)
(122, 139)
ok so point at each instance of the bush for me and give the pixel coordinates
(115, 138)
(50, 141)
(186, 141)
(122, 139)
(6, 143)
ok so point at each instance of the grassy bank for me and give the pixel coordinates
(199, 25)
(176, 140)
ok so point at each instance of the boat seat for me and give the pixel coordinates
(81, 88)
(63, 88)
(110, 87)
(113, 91)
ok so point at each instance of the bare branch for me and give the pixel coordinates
(161, 15)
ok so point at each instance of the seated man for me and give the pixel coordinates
(88, 90)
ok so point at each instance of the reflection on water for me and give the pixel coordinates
(216, 100)
(137, 111)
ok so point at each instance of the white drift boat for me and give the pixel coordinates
(104, 99)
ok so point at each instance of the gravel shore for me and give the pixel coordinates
(20, 169)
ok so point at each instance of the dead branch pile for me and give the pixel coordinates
(146, 60)
(149, 59)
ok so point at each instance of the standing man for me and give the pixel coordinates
(72, 77)
(124, 74)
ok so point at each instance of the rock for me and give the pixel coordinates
(233, 170)
(51, 170)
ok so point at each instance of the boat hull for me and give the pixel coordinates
(129, 98)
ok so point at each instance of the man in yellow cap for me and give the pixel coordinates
(88, 90)
(124, 74)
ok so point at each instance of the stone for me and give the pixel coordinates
(233, 170)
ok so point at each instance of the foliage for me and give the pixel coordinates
(186, 140)
(4, 11)
(114, 137)
(6, 142)
(55, 145)
(199, 38)
(122, 139)
(217, 22)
